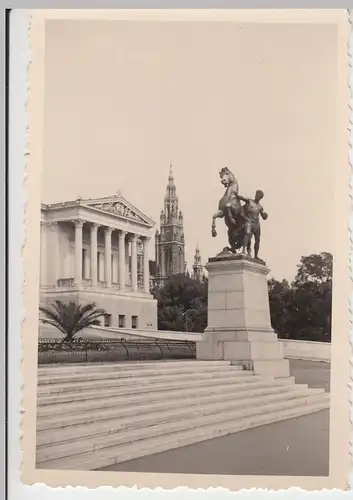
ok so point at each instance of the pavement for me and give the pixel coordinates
(294, 447)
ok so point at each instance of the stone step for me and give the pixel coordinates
(80, 438)
(163, 387)
(138, 421)
(73, 368)
(117, 400)
(136, 373)
(59, 420)
(145, 382)
(114, 447)
(165, 443)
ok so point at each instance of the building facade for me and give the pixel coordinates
(169, 239)
(96, 250)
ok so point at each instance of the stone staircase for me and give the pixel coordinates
(93, 416)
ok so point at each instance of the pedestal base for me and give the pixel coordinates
(257, 351)
(239, 328)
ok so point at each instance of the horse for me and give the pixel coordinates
(230, 208)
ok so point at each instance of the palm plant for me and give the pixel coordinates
(70, 317)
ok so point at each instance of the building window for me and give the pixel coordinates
(107, 320)
(121, 320)
(133, 321)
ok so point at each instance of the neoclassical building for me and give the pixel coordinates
(96, 250)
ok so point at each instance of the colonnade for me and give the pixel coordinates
(123, 238)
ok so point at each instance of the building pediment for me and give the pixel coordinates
(119, 207)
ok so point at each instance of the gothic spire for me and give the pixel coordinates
(171, 200)
(197, 267)
(170, 243)
(197, 256)
(170, 178)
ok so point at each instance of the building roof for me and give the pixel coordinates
(115, 205)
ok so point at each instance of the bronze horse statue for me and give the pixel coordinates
(230, 208)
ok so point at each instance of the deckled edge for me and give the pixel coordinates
(350, 228)
(36, 487)
(26, 172)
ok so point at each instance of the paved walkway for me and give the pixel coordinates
(295, 447)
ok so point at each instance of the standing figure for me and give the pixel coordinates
(252, 211)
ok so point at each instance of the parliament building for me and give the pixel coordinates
(97, 250)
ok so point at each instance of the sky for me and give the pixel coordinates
(123, 99)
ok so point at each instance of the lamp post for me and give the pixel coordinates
(185, 313)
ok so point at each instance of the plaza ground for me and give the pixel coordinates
(295, 447)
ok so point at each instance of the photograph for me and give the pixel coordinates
(187, 313)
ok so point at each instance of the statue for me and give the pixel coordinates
(242, 221)
(230, 209)
(252, 211)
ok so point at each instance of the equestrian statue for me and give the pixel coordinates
(242, 220)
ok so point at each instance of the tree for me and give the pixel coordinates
(313, 296)
(280, 297)
(315, 268)
(302, 310)
(310, 317)
(182, 304)
(70, 317)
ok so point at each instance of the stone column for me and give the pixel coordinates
(108, 256)
(114, 273)
(127, 259)
(146, 266)
(57, 253)
(52, 253)
(101, 266)
(43, 253)
(51, 265)
(121, 257)
(139, 261)
(86, 265)
(78, 250)
(94, 254)
(134, 262)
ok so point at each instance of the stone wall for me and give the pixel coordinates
(47, 331)
(304, 349)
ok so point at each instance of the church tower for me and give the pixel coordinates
(197, 266)
(170, 246)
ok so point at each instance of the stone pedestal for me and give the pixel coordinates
(239, 326)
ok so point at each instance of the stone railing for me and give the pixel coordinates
(55, 350)
(87, 283)
(65, 282)
(293, 349)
